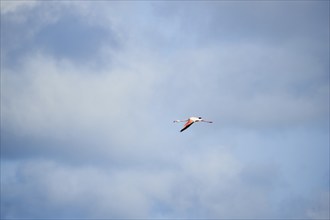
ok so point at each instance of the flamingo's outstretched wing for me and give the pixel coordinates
(187, 125)
(207, 121)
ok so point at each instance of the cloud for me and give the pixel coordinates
(64, 104)
(88, 100)
(14, 6)
(319, 209)
(59, 30)
(193, 186)
(211, 185)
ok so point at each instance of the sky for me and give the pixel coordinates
(90, 89)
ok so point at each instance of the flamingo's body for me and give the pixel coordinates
(190, 121)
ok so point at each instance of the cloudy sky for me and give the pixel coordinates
(90, 89)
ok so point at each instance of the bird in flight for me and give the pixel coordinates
(191, 121)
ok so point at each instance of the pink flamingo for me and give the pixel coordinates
(190, 121)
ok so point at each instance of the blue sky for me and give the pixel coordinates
(89, 91)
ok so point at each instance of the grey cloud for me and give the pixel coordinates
(248, 21)
(313, 207)
(191, 186)
(71, 38)
(59, 30)
(212, 185)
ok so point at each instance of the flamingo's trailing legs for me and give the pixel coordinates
(190, 121)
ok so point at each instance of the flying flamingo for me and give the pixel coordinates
(191, 121)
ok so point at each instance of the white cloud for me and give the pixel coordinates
(208, 184)
(114, 192)
(14, 6)
(49, 96)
